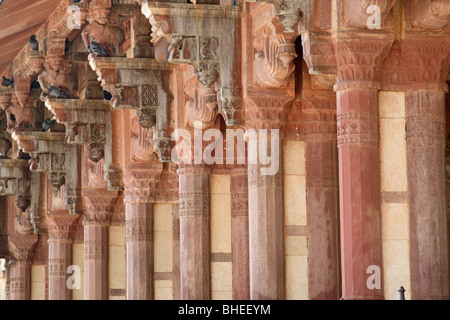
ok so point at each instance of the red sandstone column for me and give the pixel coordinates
(239, 234)
(426, 148)
(61, 233)
(266, 225)
(195, 234)
(322, 198)
(100, 205)
(20, 280)
(19, 271)
(176, 253)
(359, 163)
(139, 232)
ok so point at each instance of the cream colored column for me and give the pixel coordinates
(394, 193)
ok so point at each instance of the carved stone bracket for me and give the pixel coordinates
(14, 180)
(140, 84)
(50, 154)
(275, 54)
(181, 29)
(85, 122)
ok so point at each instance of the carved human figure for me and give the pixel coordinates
(103, 36)
(57, 84)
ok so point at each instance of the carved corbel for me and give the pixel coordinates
(57, 81)
(430, 14)
(59, 160)
(186, 41)
(275, 54)
(101, 37)
(14, 181)
(85, 122)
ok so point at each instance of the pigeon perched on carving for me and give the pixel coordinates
(57, 93)
(47, 124)
(107, 95)
(7, 82)
(34, 44)
(5, 146)
(97, 49)
(35, 85)
(67, 45)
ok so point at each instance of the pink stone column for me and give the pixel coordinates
(139, 239)
(322, 216)
(359, 186)
(20, 280)
(240, 234)
(426, 150)
(139, 216)
(176, 275)
(96, 261)
(266, 227)
(359, 62)
(19, 271)
(195, 233)
(99, 207)
(61, 232)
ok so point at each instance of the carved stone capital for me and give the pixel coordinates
(417, 64)
(62, 227)
(359, 61)
(21, 248)
(140, 181)
(98, 206)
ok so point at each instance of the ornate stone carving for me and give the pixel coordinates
(201, 105)
(98, 206)
(57, 83)
(274, 58)
(430, 14)
(108, 36)
(360, 60)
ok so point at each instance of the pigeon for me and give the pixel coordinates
(97, 49)
(47, 124)
(57, 93)
(7, 82)
(34, 44)
(35, 85)
(107, 95)
(5, 146)
(67, 45)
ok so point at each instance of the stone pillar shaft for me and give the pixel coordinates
(61, 233)
(426, 147)
(20, 280)
(59, 259)
(266, 226)
(95, 261)
(322, 216)
(359, 186)
(139, 239)
(176, 253)
(239, 235)
(195, 234)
